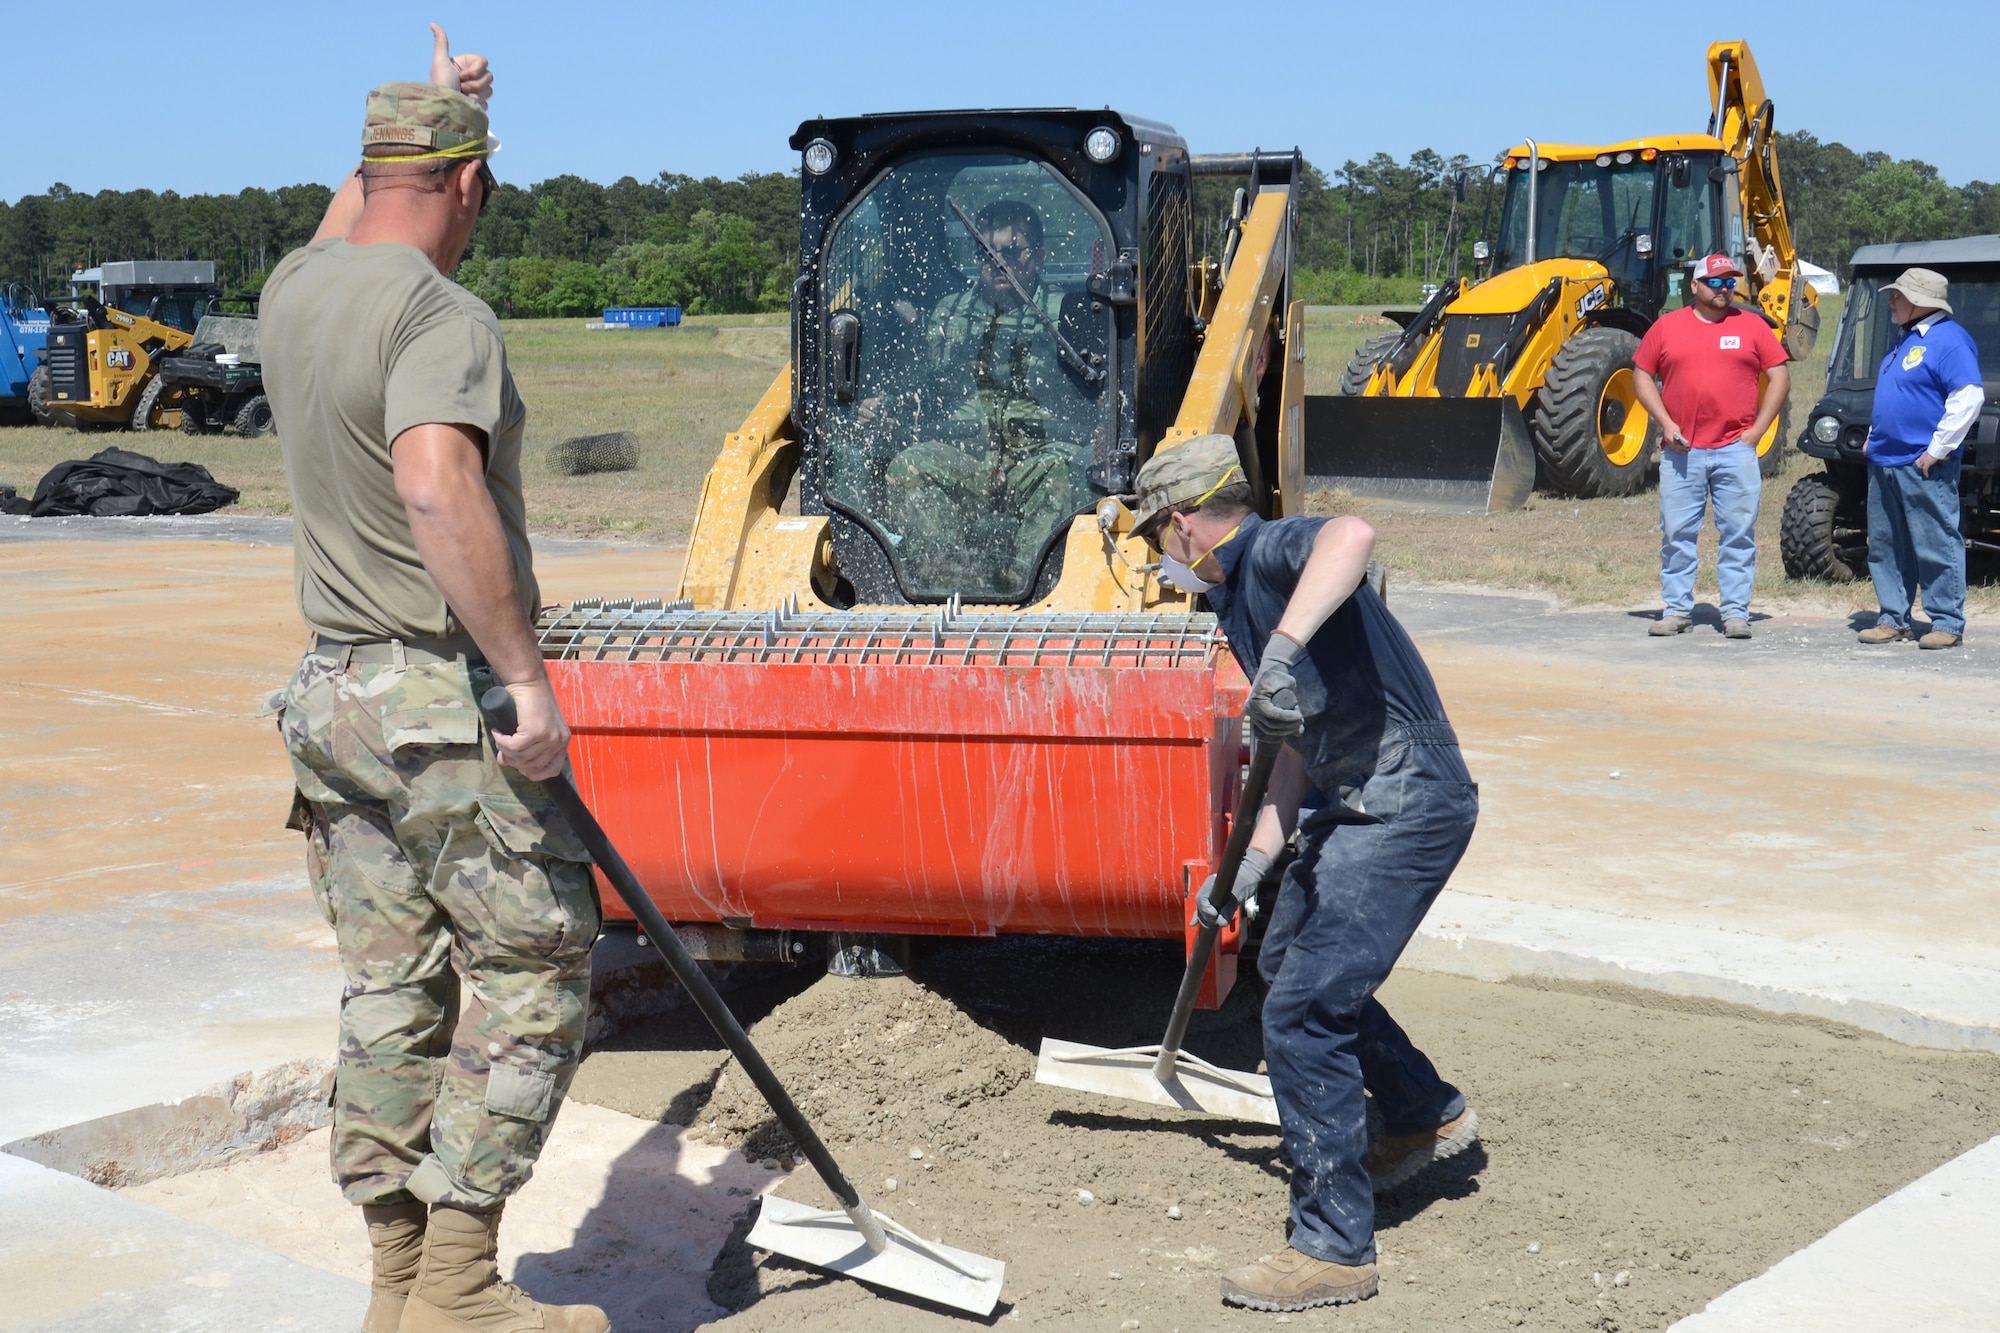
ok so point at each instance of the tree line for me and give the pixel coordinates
(1369, 232)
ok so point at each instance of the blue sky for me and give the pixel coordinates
(225, 96)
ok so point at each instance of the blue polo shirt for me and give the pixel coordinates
(1922, 369)
(1360, 676)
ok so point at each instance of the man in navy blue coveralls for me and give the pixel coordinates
(1389, 809)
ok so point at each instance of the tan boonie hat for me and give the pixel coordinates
(1186, 474)
(1923, 288)
(440, 121)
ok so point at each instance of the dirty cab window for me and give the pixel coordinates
(973, 388)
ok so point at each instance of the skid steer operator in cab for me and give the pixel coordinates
(977, 359)
(1388, 810)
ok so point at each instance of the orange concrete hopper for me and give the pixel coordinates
(908, 772)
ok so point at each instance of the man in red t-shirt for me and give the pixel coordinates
(1708, 357)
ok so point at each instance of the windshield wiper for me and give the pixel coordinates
(1091, 374)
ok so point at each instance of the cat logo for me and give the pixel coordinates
(1731, 342)
(1914, 358)
(119, 358)
(1472, 340)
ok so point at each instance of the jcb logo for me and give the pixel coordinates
(1591, 300)
(119, 358)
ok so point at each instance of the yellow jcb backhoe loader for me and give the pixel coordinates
(1525, 377)
(945, 692)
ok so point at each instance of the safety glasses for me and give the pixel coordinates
(1721, 284)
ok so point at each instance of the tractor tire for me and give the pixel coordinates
(39, 407)
(1822, 536)
(149, 402)
(1362, 364)
(1586, 441)
(254, 417)
(1772, 461)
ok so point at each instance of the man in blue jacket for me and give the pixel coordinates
(1335, 678)
(1927, 396)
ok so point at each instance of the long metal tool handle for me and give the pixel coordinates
(498, 708)
(1261, 762)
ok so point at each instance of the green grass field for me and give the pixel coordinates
(680, 391)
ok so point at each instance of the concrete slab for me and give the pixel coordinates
(158, 997)
(1798, 786)
(78, 1259)
(1921, 1258)
(1917, 1001)
(621, 1212)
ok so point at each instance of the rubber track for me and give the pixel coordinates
(1563, 418)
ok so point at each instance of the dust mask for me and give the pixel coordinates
(1183, 576)
(1178, 574)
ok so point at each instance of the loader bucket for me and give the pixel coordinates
(1467, 454)
(907, 772)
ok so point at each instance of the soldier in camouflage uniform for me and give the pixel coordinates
(462, 903)
(1022, 480)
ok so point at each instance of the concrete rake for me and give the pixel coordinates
(854, 1240)
(1164, 1075)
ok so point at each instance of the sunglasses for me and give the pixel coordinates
(1721, 284)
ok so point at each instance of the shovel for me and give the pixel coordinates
(854, 1241)
(1165, 1075)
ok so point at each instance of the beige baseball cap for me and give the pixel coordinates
(1185, 474)
(1923, 288)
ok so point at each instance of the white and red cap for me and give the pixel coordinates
(1716, 266)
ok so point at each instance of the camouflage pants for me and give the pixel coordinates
(465, 913)
(960, 514)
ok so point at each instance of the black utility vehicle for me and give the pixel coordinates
(1825, 529)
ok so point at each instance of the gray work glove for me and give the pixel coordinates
(1249, 875)
(1273, 709)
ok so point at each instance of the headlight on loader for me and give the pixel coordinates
(819, 157)
(1101, 143)
(1826, 429)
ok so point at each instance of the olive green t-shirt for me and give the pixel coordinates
(360, 343)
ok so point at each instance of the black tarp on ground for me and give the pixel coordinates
(117, 483)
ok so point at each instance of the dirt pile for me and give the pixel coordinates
(867, 1061)
(1638, 1159)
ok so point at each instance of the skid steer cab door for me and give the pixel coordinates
(964, 342)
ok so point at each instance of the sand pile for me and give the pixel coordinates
(867, 1061)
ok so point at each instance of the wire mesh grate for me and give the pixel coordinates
(627, 630)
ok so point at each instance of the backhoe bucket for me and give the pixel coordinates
(915, 771)
(1464, 454)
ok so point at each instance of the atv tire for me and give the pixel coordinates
(1361, 365)
(1584, 401)
(1823, 535)
(254, 417)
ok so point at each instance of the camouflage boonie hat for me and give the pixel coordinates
(437, 121)
(1186, 474)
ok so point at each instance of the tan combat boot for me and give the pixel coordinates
(1393, 1160)
(458, 1287)
(396, 1234)
(1288, 1281)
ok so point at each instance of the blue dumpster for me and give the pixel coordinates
(644, 316)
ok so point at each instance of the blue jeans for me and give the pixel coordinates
(1345, 911)
(1913, 540)
(1688, 482)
